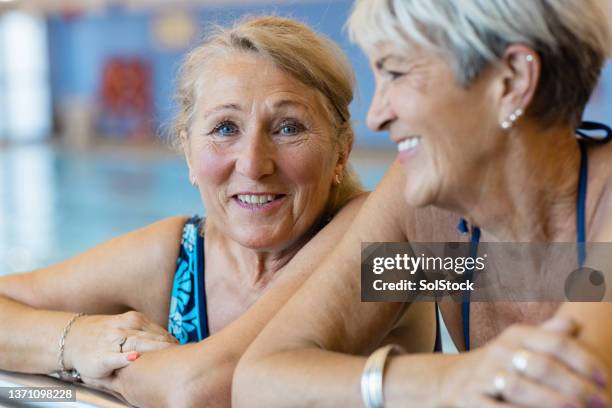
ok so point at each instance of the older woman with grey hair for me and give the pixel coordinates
(484, 100)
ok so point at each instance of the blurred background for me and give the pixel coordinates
(86, 103)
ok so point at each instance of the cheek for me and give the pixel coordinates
(210, 167)
(308, 166)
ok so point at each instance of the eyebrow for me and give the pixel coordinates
(235, 107)
(381, 62)
(227, 106)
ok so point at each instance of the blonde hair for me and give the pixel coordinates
(309, 57)
(572, 38)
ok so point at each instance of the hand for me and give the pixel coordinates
(530, 366)
(98, 345)
(140, 384)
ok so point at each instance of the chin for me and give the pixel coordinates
(259, 240)
(418, 195)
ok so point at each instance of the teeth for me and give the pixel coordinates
(409, 143)
(255, 199)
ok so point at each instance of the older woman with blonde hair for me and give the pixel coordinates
(265, 127)
(484, 100)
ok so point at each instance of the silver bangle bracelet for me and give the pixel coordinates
(372, 376)
(63, 373)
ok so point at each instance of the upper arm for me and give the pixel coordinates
(593, 317)
(133, 271)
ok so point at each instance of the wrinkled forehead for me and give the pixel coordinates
(241, 77)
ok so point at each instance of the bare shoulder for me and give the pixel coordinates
(150, 254)
(600, 172)
(131, 272)
(600, 160)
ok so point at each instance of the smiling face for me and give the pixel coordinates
(261, 151)
(446, 134)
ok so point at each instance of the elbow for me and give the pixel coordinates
(246, 384)
(197, 389)
(177, 396)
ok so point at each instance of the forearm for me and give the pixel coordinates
(317, 378)
(29, 337)
(183, 376)
(299, 378)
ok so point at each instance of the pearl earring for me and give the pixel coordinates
(529, 58)
(508, 123)
(338, 179)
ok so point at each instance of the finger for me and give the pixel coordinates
(139, 334)
(551, 373)
(522, 391)
(131, 320)
(143, 345)
(115, 361)
(562, 325)
(150, 327)
(486, 401)
(164, 333)
(155, 328)
(567, 351)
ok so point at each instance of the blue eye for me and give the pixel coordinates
(225, 129)
(289, 130)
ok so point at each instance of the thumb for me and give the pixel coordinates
(562, 325)
(115, 361)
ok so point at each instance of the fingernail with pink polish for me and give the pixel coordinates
(133, 356)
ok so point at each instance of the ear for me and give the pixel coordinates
(520, 74)
(343, 155)
(184, 138)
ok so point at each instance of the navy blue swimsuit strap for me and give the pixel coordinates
(204, 329)
(580, 213)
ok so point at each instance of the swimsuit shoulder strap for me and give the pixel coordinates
(187, 318)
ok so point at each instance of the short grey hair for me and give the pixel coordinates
(572, 38)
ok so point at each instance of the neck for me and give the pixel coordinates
(528, 193)
(254, 267)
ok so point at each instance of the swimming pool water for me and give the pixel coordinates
(56, 203)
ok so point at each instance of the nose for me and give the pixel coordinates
(380, 114)
(256, 157)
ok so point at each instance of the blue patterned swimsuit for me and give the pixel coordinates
(187, 319)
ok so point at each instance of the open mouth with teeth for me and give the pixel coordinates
(409, 143)
(257, 200)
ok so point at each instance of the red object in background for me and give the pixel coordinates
(72, 13)
(126, 102)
